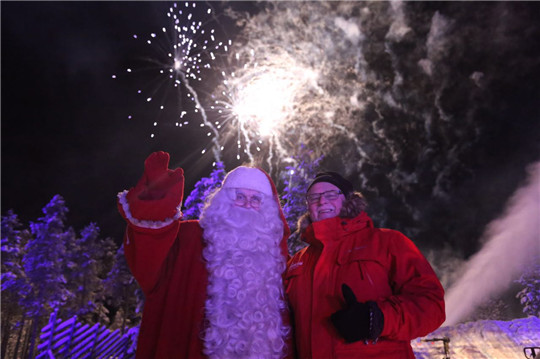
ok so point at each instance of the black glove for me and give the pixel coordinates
(358, 321)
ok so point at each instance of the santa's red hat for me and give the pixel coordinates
(249, 178)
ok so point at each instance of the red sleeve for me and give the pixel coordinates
(417, 306)
(147, 243)
(146, 250)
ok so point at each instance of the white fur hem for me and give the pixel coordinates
(146, 223)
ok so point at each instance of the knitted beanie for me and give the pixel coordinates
(334, 178)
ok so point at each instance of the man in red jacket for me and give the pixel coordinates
(213, 288)
(357, 291)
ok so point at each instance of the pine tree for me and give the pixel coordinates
(124, 294)
(86, 258)
(297, 178)
(529, 296)
(12, 250)
(13, 278)
(44, 264)
(195, 201)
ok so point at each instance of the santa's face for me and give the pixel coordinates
(248, 198)
(326, 201)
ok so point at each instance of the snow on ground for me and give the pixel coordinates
(491, 339)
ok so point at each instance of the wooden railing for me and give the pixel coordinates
(70, 339)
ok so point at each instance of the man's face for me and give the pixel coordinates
(248, 198)
(324, 201)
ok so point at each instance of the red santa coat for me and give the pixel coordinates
(166, 260)
(378, 264)
(168, 265)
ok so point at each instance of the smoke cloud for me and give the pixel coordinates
(512, 243)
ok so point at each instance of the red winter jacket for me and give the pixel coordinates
(381, 265)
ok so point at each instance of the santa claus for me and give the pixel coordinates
(213, 288)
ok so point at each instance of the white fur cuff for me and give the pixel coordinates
(146, 223)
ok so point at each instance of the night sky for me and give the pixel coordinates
(445, 123)
(65, 126)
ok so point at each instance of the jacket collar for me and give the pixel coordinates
(333, 229)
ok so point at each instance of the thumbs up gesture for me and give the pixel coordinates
(357, 321)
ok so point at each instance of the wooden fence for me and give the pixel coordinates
(70, 339)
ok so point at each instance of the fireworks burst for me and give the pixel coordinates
(182, 55)
(258, 100)
(279, 96)
(270, 99)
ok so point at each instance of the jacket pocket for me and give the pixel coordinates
(364, 272)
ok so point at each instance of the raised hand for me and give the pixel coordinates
(159, 184)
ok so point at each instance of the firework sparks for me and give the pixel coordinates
(278, 95)
(271, 94)
(182, 54)
(265, 100)
(259, 99)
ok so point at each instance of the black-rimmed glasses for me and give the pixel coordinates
(328, 195)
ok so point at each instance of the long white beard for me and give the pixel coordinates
(245, 293)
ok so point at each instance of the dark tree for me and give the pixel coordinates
(123, 294)
(529, 296)
(297, 178)
(44, 265)
(14, 281)
(89, 259)
(195, 201)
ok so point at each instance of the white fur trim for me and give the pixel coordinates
(145, 223)
(249, 178)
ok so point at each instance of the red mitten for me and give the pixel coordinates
(158, 194)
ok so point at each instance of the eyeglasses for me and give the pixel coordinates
(242, 199)
(531, 352)
(329, 195)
